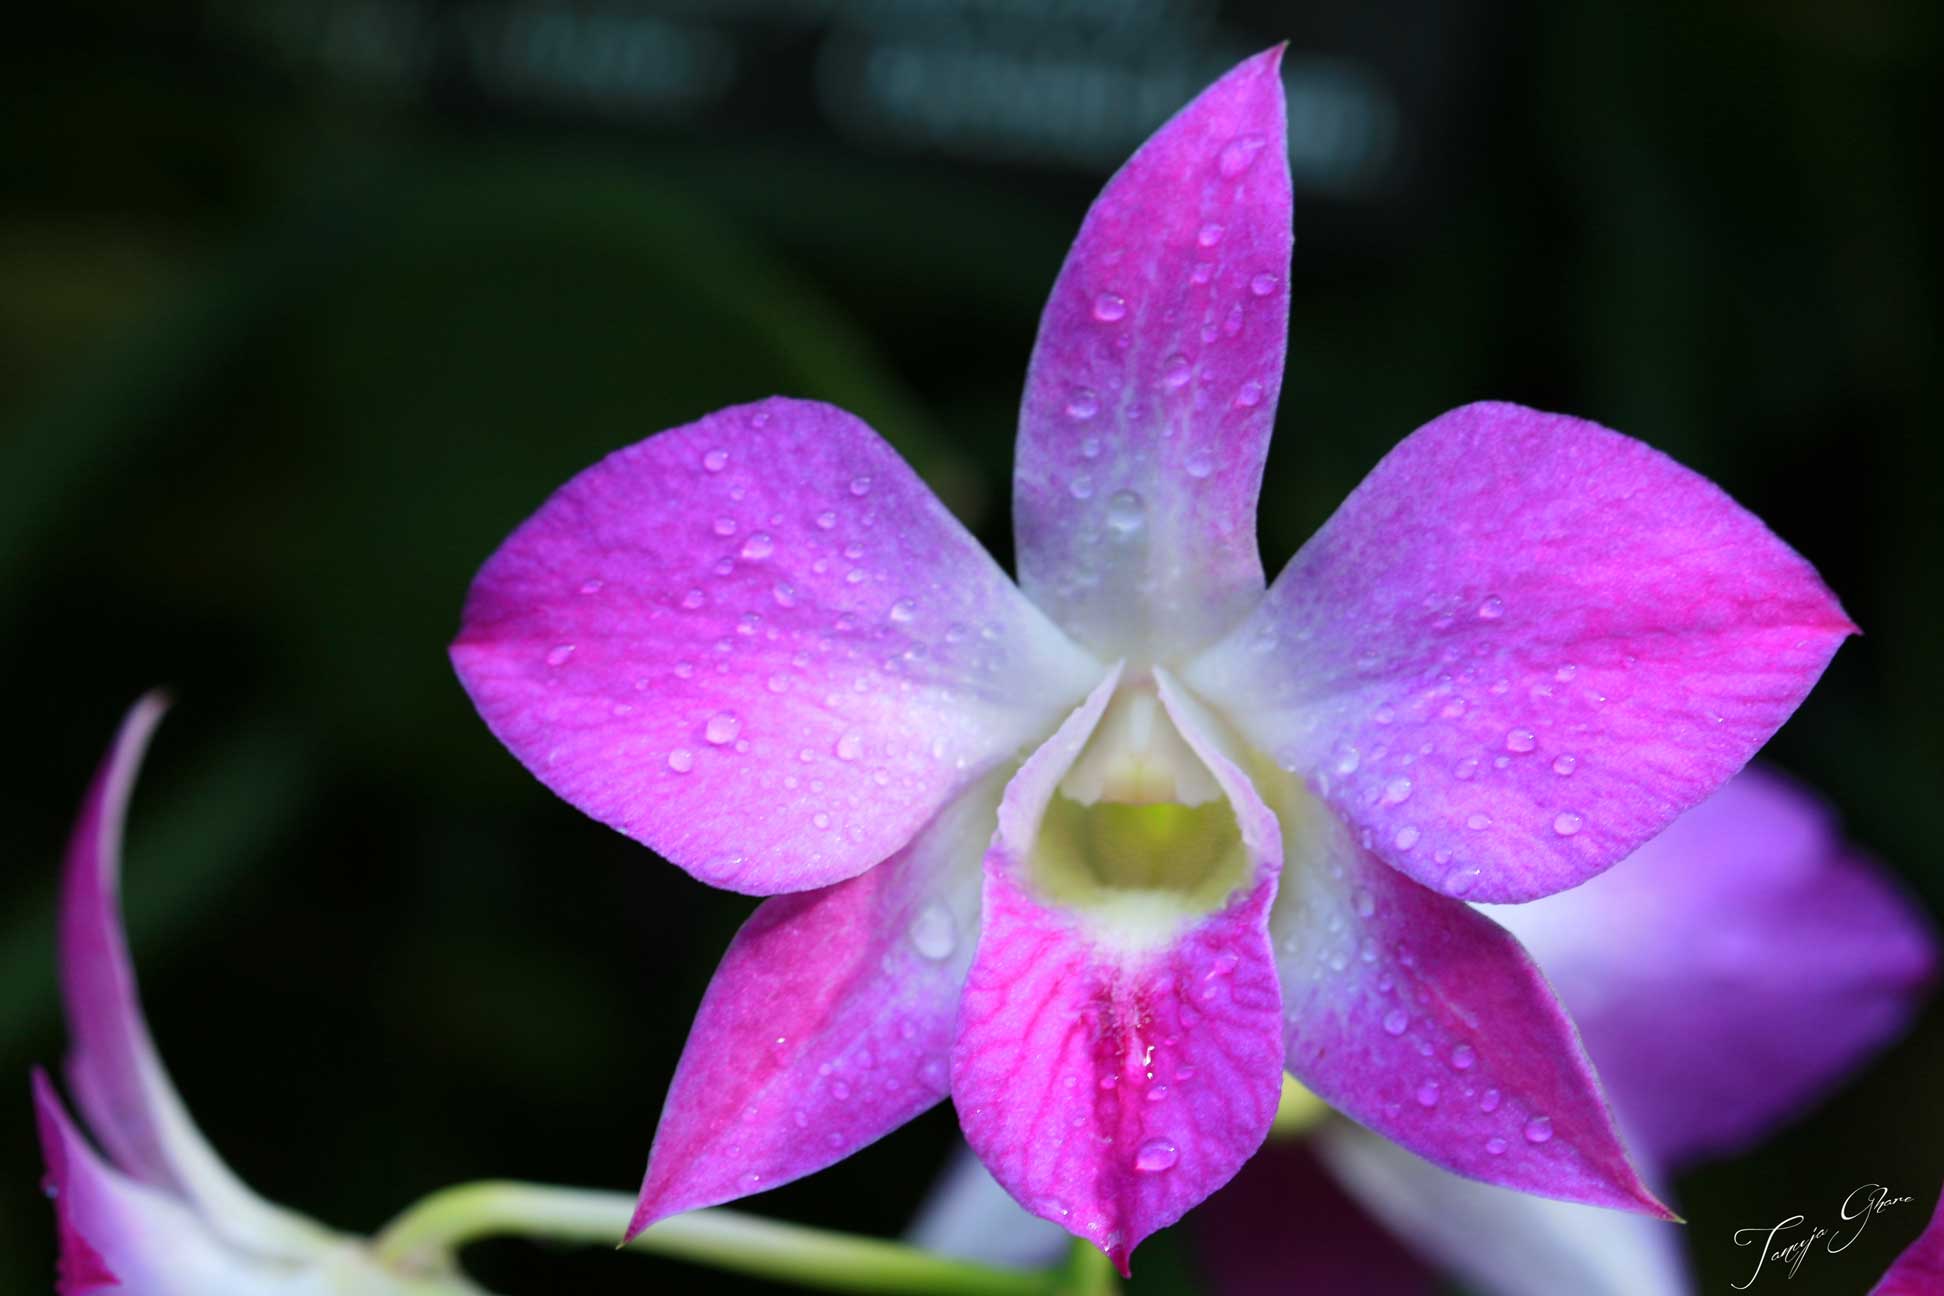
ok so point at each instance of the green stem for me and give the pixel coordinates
(447, 1220)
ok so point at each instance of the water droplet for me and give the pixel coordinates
(1262, 285)
(1081, 487)
(1466, 768)
(1406, 838)
(1491, 609)
(1348, 762)
(725, 526)
(1238, 155)
(1083, 405)
(559, 655)
(722, 728)
(1156, 1155)
(784, 593)
(1395, 1021)
(1565, 673)
(593, 586)
(826, 520)
(1478, 822)
(1090, 448)
(1248, 394)
(933, 933)
(1565, 765)
(1109, 307)
(716, 460)
(1520, 740)
(1427, 1094)
(1175, 372)
(1459, 879)
(1495, 1145)
(1366, 903)
(1200, 465)
(860, 485)
(1488, 1102)
(758, 546)
(1463, 1058)
(1157, 1093)
(778, 683)
(1397, 791)
(1126, 513)
(681, 760)
(1210, 235)
(1566, 823)
(1538, 1129)
(903, 611)
(850, 746)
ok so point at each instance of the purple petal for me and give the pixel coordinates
(1919, 1271)
(1521, 647)
(760, 645)
(114, 1070)
(1499, 1241)
(1153, 383)
(1422, 1019)
(1749, 910)
(1110, 1090)
(127, 1238)
(829, 1023)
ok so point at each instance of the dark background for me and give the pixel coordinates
(303, 306)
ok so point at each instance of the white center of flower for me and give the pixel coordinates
(1139, 842)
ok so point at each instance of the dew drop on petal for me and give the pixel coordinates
(1427, 1094)
(850, 746)
(1488, 1102)
(784, 593)
(1238, 155)
(1565, 765)
(1395, 1021)
(1566, 823)
(860, 486)
(1126, 513)
(1495, 1146)
(826, 520)
(681, 760)
(903, 611)
(1200, 465)
(722, 728)
(1397, 791)
(1366, 903)
(1538, 1129)
(1156, 1155)
(1248, 394)
(1175, 372)
(1520, 740)
(758, 546)
(1210, 235)
(1406, 838)
(725, 526)
(1262, 285)
(1491, 609)
(716, 460)
(1082, 405)
(1109, 307)
(1459, 879)
(559, 655)
(933, 933)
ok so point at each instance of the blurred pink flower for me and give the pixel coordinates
(1223, 826)
(1919, 1271)
(1724, 978)
(160, 1215)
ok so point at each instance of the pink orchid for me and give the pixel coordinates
(1677, 966)
(1099, 855)
(161, 1215)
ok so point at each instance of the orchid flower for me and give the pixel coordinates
(159, 1214)
(1100, 854)
(1677, 966)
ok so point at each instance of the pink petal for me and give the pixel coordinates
(1504, 1242)
(1919, 1271)
(1422, 1019)
(117, 1077)
(760, 645)
(829, 1023)
(1108, 1091)
(1153, 383)
(1748, 910)
(1521, 647)
(1283, 1227)
(127, 1238)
